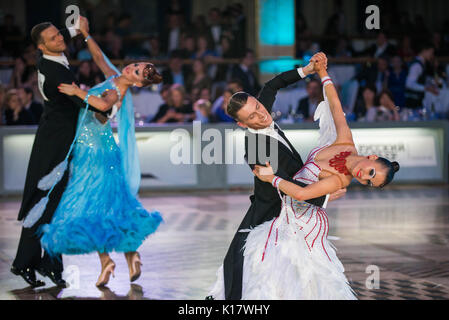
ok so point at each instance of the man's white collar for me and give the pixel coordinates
(62, 59)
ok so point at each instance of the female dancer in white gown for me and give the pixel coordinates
(290, 256)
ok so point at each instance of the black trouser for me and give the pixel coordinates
(233, 267)
(29, 254)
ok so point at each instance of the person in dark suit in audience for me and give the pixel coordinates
(381, 48)
(244, 73)
(307, 105)
(177, 72)
(26, 96)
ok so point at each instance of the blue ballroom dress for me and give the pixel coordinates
(98, 210)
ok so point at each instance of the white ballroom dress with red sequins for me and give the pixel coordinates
(290, 257)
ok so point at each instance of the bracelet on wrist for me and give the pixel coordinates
(87, 38)
(326, 80)
(275, 182)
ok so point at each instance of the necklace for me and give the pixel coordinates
(339, 162)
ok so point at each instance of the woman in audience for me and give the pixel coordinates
(85, 76)
(222, 114)
(199, 78)
(203, 48)
(178, 109)
(387, 110)
(203, 112)
(15, 114)
(366, 110)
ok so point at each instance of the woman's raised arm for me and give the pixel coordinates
(343, 131)
(94, 49)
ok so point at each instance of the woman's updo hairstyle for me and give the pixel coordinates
(151, 75)
(392, 167)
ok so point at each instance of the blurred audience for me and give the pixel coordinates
(307, 106)
(221, 113)
(415, 85)
(382, 47)
(199, 78)
(26, 96)
(178, 108)
(190, 51)
(243, 72)
(177, 72)
(15, 113)
(85, 76)
(202, 109)
(9, 31)
(396, 80)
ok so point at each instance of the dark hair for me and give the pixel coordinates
(379, 96)
(312, 80)
(151, 76)
(370, 86)
(165, 87)
(392, 167)
(421, 46)
(238, 100)
(236, 81)
(37, 31)
(245, 53)
(28, 90)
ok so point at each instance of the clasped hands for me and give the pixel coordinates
(317, 63)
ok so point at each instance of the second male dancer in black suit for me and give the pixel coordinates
(254, 114)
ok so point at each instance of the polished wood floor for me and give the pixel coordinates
(403, 232)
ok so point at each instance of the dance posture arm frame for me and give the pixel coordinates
(329, 184)
(267, 97)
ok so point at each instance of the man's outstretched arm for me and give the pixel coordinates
(283, 80)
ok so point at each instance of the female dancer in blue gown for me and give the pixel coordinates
(99, 210)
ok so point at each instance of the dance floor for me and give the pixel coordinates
(402, 232)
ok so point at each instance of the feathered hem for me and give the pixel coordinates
(289, 269)
(85, 235)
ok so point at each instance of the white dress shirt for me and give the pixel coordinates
(271, 132)
(414, 73)
(61, 59)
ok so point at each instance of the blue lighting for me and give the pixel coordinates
(277, 22)
(279, 65)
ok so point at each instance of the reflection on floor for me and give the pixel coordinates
(401, 234)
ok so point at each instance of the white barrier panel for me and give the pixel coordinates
(421, 152)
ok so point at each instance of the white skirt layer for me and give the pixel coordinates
(280, 265)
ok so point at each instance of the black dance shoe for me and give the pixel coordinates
(29, 275)
(55, 277)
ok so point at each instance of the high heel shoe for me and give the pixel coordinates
(106, 272)
(134, 264)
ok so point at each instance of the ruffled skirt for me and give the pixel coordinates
(279, 264)
(97, 212)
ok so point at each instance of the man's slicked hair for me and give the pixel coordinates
(238, 100)
(37, 31)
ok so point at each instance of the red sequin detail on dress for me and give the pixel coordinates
(339, 162)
